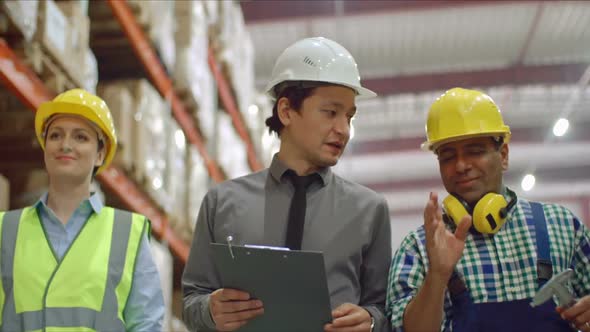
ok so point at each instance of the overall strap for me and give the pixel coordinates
(535, 216)
(544, 265)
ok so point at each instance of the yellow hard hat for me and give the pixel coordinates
(80, 103)
(462, 113)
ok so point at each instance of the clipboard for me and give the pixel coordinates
(292, 286)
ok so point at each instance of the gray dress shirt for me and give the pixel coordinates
(346, 221)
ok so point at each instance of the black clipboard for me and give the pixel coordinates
(292, 286)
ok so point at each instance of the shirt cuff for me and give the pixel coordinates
(206, 314)
(397, 313)
(378, 320)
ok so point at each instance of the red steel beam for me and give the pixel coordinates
(264, 11)
(162, 82)
(227, 98)
(21, 80)
(137, 200)
(519, 75)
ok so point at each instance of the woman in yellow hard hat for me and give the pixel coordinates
(68, 263)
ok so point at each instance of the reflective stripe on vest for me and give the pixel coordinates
(83, 290)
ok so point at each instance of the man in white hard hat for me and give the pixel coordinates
(315, 83)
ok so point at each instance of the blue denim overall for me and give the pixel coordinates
(511, 315)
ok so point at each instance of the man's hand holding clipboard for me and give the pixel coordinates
(232, 308)
(265, 289)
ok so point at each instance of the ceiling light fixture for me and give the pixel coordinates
(560, 127)
(528, 182)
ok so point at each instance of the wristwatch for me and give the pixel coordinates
(372, 324)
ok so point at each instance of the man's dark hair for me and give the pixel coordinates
(296, 95)
(498, 142)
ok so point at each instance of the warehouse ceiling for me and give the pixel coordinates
(532, 57)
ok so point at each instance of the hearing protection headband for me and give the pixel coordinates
(488, 215)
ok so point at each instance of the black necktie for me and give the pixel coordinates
(297, 209)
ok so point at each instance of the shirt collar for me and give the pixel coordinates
(94, 203)
(277, 169)
(510, 197)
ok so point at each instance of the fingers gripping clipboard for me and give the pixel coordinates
(292, 286)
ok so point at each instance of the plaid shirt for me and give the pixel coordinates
(497, 268)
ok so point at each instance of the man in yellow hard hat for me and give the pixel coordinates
(68, 262)
(481, 257)
(314, 82)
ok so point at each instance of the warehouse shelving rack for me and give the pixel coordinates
(27, 86)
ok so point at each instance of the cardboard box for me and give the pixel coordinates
(152, 119)
(78, 45)
(176, 172)
(78, 40)
(53, 31)
(90, 72)
(4, 193)
(23, 15)
(198, 185)
(120, 103)
(71, 8)
(191, 22)
(212, 13)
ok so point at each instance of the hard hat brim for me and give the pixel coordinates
(432, 146)
(364, 93)
(361, 93)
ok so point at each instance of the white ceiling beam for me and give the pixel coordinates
(420, 165)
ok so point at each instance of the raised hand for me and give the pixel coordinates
(444, 248)
(578, 314)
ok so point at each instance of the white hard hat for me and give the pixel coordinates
(317, 59)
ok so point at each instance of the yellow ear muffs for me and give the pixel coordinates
(488, 215)
(455, 208)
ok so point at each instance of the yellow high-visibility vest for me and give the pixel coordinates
(86, 290)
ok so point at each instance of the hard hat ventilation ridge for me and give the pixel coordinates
(308, 61)
(317, 60)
